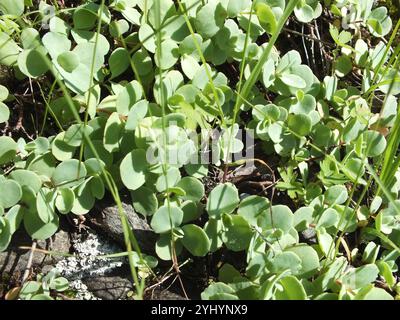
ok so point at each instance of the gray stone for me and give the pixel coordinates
(118, 283)
(109, 287)
(114, 287)
(159, 294)
(105, 219)
(14, 259)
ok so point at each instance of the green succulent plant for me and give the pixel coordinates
(132, 86)
(43, 286)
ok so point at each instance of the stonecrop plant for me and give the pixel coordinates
(171, 101)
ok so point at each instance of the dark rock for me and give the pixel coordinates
(160, 294)
(15, 260)
(108, 287)
(116, 285)
(104, 218)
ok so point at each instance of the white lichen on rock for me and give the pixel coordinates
(82, 292)
(87, 262)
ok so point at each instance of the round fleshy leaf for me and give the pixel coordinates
(189, 66)
(222, 199)
(266, 112)
(84, 199)
(89, 57)
(279, 216)
(361, 276)
(165, 219)
(43, 165)
(379, 22)
(31, 63)
(283, 261)
(293, 80)
(304, 105)
(325, 243)
(27, 178)
(166, 56)
(60, 284)
(68, 60)
(214, 229)
(252, 207)
(5, 234)
(304, 13)
(193, 187)
(238, 234)
(321, 135)
(169, 180)
(343, 66)
(147, 37)
(78, 80)
(119, 61)
(3, 93)
(142, 62)
(65, 200)
(10, 193)
(275, 131)
(97, 187)
(191, 210)
(136, 114)
(9, 50)
(375, 143)
(4, 113)
(14, 217)
(84, 18)
(69, 173)
(61, 149)
(309, 260)
(144, 201)
(128, 96)
(133, 168)
(328, 218)
(164, 249)
(56, 43)
(216, 289)
(29, 288)
(292, 289)
(336, 195)
(105, 156)
(58, 25)
(28, 200)
(266, 17)
(94, 166)
(45, 205)
(75, 134)
(300, 124)
(195, 240)
(373, 293)
(198, 171)
(210, 18)
(112, 133)
(118, 27)
(13, 7)
(40, 145)
(176, 28)
(37, 229)
(268, 73)
(302, 218)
